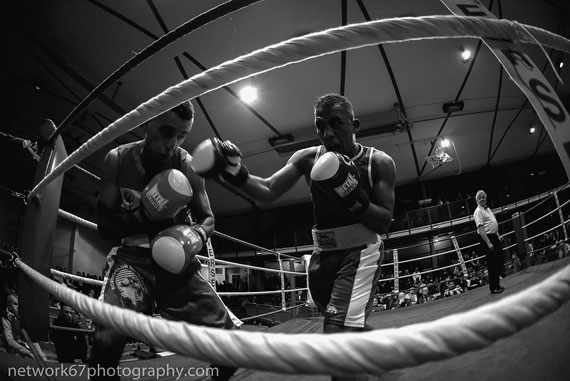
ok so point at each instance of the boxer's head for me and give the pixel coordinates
(336, 124)
(166, 132)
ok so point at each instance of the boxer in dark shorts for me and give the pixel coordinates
(150, 195)
(352, 189)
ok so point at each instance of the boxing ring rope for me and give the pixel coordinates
(438, 269)
(430, 341)
(78, 220)
(221, 261)
(93, 226)
(97, 282)
(93, 282)
(272, 312)
(506, 248)
(69, 329)
(237, 240)
(373, 352)
(89, 174)
(281, 272)
(346, 353)
(301, 49)
(190, 26)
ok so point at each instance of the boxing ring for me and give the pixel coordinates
(375, 352)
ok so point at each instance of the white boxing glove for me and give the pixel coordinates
(214, 157)
(175, 248)
(165, 195)
(338, 176)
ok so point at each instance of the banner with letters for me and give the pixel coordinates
(528, 78)
(211, 264)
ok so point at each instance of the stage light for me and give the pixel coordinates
(248, 94)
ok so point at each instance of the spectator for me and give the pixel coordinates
(563, 249)
(416, 276)
(68, 345)
(389, 300)
(402, 300)
(424, 295)
(12, 329)
(412, 296)
(517, 265)
(452, 289)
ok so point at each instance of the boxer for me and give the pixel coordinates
(155, 209)
(352, 191)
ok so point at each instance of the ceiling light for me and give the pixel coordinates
(465, 55)
(445, 143)
(453, 106)
(561, 64)
(281, 139)
(532, 130)
(248, 94)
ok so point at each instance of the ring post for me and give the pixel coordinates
(37, 240)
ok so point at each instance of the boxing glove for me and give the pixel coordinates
(214, 157)
(338, 176)
(175, 248)
(165, 195)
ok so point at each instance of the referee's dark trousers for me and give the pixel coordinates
(495, 260)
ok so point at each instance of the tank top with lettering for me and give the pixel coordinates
(327, 212)
(132, 176)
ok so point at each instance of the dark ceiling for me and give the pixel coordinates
(57, 52)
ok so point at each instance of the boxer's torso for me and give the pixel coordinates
(132, 176)
(328, 213)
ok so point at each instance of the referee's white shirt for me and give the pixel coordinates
(485, 217)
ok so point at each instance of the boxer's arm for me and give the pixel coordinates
(271, 188)
(200, 207)
(113, 223)
(378, 215)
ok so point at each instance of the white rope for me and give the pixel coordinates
(93, 226)
(94, 282)
(70, 329)
(301, 49)
(373, 352)
(234, 264)
(275, 312)
(250, 293)
(76, 219)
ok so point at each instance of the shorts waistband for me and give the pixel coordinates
(138, 240)
(344, 237)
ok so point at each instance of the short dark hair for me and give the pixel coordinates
(331, 99)
(184, 111)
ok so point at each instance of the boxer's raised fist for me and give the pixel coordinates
(338, 176)
(165, 195)
(175, 248)
(214, 157)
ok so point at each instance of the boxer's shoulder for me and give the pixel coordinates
(304, 158)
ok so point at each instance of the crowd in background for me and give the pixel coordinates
(418, 288)
(83, 287)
